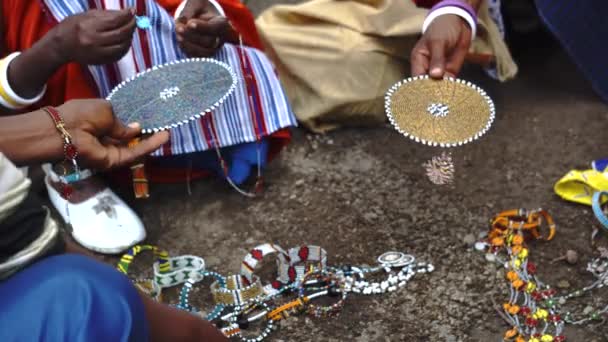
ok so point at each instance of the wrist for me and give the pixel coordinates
(30, 138)
(53, 46)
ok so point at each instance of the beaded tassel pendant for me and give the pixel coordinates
(440, 169)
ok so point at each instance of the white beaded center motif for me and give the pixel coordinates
(168, 93)
(438, 110)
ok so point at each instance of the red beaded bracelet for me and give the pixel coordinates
(69, 151)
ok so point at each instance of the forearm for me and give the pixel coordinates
(30, 138)
(30, 71)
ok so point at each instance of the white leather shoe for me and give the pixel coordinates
(100, 220)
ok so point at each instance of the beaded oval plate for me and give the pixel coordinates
(172, 94)
(447, 113)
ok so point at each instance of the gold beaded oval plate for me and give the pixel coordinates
(172, 94)
(447, 113)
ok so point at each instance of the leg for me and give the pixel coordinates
(71, 298)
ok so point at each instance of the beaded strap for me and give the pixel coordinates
(597, 208)
(236, 291)
(177, 270)
(184, 301)
(162, 257)
(255, 256)
(149, 287)
(242, 322)
(334, 287)
(299, 261)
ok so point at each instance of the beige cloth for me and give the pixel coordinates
(337, 58)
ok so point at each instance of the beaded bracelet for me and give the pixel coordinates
(162, 257)
(232, 330)
(243, 323)
(69, 151)
(597, 208)
(335, 287)
(184, 301)
(178, 270)
(8, 97)
(237, 291)
(149, 287)
(255, 256)
(299, 261)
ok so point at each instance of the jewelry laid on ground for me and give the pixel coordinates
(241, 300)
(535, 310)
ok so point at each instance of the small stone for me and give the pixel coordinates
(300, 182)
(587, 310)
(563, 284)
(480, 246)
(469, 239)
(490, 257)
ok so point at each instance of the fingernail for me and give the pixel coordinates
(134, 125)
(436, 71)
(192, 25)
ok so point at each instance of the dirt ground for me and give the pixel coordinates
(361, 192)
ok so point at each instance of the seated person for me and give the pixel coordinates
(82, 49)
(48, 295)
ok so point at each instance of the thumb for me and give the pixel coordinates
(437, 64)
(124, 133)
(192, 9)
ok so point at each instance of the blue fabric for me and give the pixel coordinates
(242, 160)
(600, 165)
(70, 298)
(581, 28)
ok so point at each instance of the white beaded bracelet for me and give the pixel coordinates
(8, 97)
(451, 10)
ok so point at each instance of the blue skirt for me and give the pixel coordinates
(67, 298)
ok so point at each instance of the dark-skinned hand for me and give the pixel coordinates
(100, 138)
(442, 49)
(94, 37)
(200, 29)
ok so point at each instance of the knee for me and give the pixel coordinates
(108, 306)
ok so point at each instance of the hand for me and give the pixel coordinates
(101, 140)
(94, 37)
(442, 49)
(200, 29)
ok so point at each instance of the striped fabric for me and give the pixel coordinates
(258, 108)
(581, 28)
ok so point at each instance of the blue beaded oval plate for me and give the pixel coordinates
(170, 95)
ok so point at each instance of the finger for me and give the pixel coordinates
(111, 20)
(202, 40)
(122, 132)
(193, 50)
(112, 53)
(216, 26)
(458, 56)
(437, 63)
(419, 60)
(120, 35)
(123, 155)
